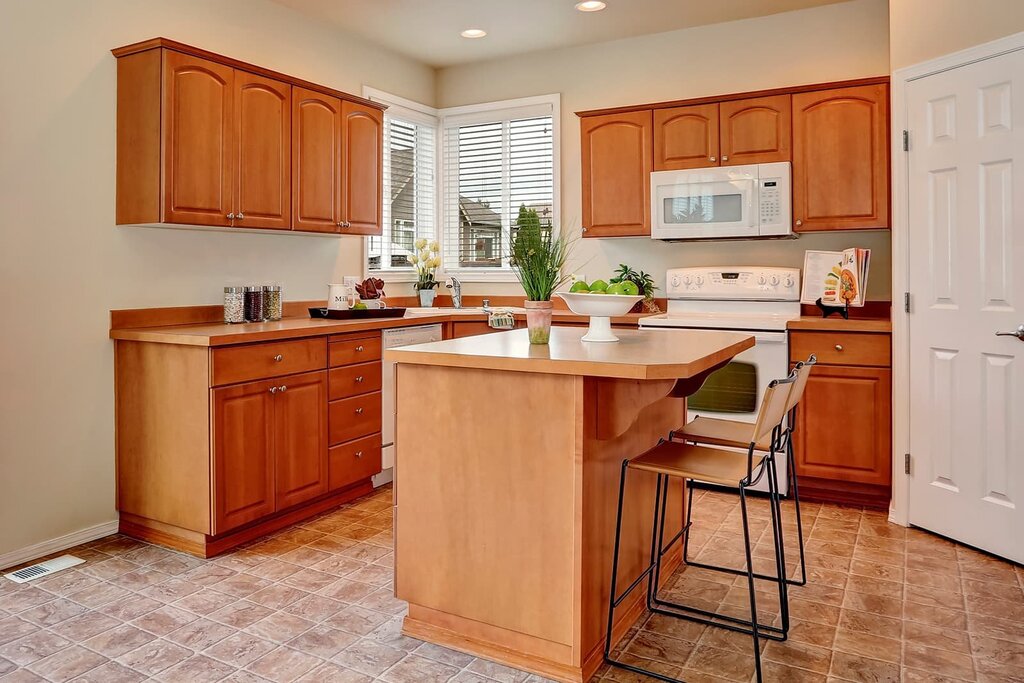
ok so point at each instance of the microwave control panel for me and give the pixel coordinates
(771, 204)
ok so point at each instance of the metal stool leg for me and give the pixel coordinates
(780, 547)
(750, 584)
(796, 500)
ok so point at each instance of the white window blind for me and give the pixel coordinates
(410, 209)
(495, 162)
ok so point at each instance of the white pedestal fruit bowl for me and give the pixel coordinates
(601, 308)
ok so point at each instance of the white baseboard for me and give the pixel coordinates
(384, 477)
(53, 545)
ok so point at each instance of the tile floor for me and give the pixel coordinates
(314, 603)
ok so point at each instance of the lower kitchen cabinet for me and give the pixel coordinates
(843, 437)
(300, 438)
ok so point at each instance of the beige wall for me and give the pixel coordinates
(64, 264)
(924, 29)
(834, 42)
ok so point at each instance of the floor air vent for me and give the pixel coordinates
(44, 568)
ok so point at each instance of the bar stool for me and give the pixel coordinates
(731, 468)
(736, 434)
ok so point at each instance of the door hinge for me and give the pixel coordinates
(906, 141)
(906, 302)
(906, 463)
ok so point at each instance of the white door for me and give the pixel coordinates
(966, 203)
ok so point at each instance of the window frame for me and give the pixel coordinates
(489, 112)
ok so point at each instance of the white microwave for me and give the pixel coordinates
(722, 202)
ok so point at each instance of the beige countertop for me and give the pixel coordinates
(221, 334)
(640, 354)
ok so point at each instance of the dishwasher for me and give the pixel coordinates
(397, 336)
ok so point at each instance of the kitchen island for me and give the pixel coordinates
(508, 462)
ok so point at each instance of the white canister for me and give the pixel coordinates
(339, 297)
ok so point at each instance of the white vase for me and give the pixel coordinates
(427, 297)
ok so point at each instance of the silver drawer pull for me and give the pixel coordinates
(359, 348)
(283, 389)
(359, 379)
(359, 454)
(839, 347)
(359, 411)
(273, 390)
(278, 358)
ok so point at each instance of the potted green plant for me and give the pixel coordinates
(426, 261)
(644, 283)
(538, 257)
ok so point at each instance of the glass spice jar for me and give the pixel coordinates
(272, 305)
(234, 304)
(254, 304)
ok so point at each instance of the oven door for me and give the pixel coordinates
(703, 205)
(735, 391)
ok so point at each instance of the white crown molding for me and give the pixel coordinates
(37, 550)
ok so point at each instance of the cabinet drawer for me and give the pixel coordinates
(353, 380)
(355, 351)
(351, 418)
(234, 364)
(354, 461)
(841, 348)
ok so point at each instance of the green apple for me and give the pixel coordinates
(579, 286)
(598, 286)
(629, 288)
(615, 289)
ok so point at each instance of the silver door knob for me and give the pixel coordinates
(1018, 333)
(240, 215)
(359, 411)
(359, 348)
(283, 388)
(348, 224)
(839, 347)
(584, 228)
(341, 224)
(231, 216)
(359, 379)
(799, 222)
(273, 390)
(359, 454)
(278, 358)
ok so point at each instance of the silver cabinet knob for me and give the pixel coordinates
(359, 379)
(359, 348)
(359, 411)
(278, 358)
(799, 222)
(1018, 333)
(584, 228)
(341, 224)
(725, 157)
(283, 388)
(712, 159)
(839, 347)
(273, 390)
(240, 215)
(359, 454)
(231, 216)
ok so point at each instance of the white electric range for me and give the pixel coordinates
(752, 299)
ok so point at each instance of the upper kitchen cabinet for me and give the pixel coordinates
(207, 140)
(686, 137)
(316, 161)
(363, 163)
(616, 174)
(756, 130)
(840, 158)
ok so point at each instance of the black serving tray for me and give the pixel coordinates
(360, 314)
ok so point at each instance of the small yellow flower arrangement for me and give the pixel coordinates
(426, 260)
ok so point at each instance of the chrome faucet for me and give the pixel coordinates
(456, 287)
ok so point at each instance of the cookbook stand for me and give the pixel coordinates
(827, 310)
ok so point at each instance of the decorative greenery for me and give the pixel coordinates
(426, 262)
(643, 281)
(538, 255)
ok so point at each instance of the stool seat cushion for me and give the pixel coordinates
(720, 432)
(714, 465)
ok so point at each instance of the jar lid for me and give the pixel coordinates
(271, 288)
(233, 290)
(253, 288)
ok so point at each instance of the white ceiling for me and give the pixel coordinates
(428, 30)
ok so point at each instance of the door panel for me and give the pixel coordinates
(686, 137)
(363, 155)
(616, 174)
(757, 130)
(300, 435)
(841, 159)
(243, 460)
(966, 383)
(197, 115)
(316, 161)
(263, 160)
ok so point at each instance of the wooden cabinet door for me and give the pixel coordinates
(686, 137)
(243, 454)
(841, 159)
(616, 174)
(363, 164)
(300, 438)
(316, 161)
(263, 161)
(197, 114)
(756, 131)
(844, 425)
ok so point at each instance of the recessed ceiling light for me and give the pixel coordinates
(590, 6)
(473, 33)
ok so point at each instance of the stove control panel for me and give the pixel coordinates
(739, 283)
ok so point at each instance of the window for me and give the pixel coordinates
(410, 166)
(498, 158)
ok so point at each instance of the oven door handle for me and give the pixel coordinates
(769, 337)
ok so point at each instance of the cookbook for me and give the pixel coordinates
(838, 278)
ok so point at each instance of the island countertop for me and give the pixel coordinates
(640, 354)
